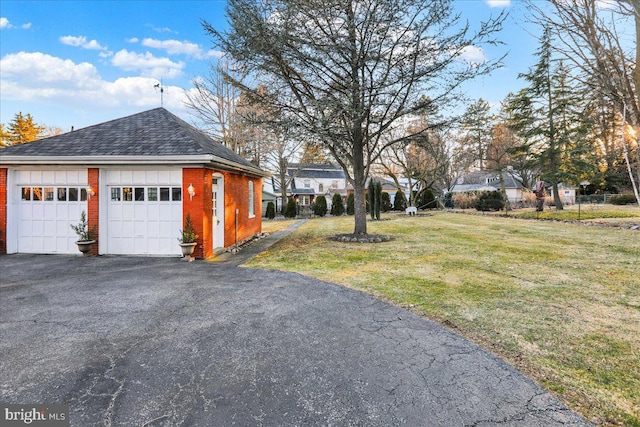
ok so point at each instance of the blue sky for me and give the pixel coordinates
(78, 63)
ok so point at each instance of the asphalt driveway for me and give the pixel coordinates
(131, 341)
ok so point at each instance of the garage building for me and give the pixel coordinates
(137, 178)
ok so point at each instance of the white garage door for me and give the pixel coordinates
(144, 212)
(48, 203)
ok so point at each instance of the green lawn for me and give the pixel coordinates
(559, 301)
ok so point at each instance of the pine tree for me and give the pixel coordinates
(337, 207)
(547, 115)
(320, 206)
(22, 129)
(350, 202)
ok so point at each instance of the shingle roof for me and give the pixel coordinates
(315, 170)
(154, 132)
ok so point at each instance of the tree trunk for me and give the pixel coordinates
(359, 181)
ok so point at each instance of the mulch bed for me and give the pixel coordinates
(360, 238)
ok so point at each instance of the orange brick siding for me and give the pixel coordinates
(236, 196)
(199, 208)
(3, 210)
(93, 205)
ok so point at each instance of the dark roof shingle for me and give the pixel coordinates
(154, 132)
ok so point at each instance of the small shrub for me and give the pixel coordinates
(337, 207)
(623, 199)
(448, 201)
(271, 211)
(291, 211)
(351, 204)
(188, 233)
(529, 199)
(464, 200)
(386, 202)
(427, 200)
(320, 206)
(489, 201)
(399, 202)
(82, 229)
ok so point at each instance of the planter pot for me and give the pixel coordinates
(85, 246)
(187, 249)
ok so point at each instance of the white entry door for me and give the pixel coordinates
(217, 219)
(144, 212)
(48, 202)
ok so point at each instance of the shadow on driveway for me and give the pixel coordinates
(156, 341)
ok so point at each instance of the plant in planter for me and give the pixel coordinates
(85, 235)
(188, 238)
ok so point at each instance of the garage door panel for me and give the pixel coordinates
(45, 214)
(148, 223)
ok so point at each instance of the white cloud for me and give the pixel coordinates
(177, 47)
(4, 23)
(473, 55)
(81, 41)
(132, 40)
(40, 70)
(498, 3)
(45, 79)
(162, 29)
(147, 64)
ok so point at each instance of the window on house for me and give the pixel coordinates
(251, 200)
(73, 194)
(320, 188)
(26, 193)
(307, 183)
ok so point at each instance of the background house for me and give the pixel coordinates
(489, 181)
(312, 179)
(132, 176)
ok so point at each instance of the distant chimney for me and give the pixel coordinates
(71, 128)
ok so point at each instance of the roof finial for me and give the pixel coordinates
(160, 86)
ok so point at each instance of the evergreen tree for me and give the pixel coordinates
(320, 206)
(476, 125)
(371, 195)
(21, 129)
(386, 202)
(271, 211)
(337, 207)
(350, 202)
(291, 210)
(398, 201)
(547, 115)
(377, 200)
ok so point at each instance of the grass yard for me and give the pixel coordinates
(559, 301)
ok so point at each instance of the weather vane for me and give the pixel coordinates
(160, 86)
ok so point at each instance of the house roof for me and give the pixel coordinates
(315, 170)
(154, 135)
(484, 178)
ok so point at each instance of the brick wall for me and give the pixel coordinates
(199, 208)
(236, 196)
(3, 210)
(93, 208)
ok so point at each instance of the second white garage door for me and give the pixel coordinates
(144, 213)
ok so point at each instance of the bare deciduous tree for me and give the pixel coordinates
(350, 70)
